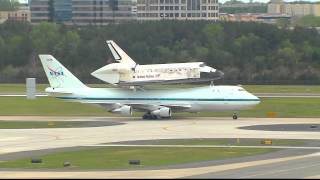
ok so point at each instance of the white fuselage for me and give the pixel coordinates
(209, 98)
(118, 73)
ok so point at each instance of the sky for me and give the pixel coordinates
(222, 1)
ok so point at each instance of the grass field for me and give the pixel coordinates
(251, 88)
(230, 142)
(118, 157)
(49, 106)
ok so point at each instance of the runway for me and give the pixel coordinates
(135, 129)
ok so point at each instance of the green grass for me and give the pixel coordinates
(21, 88)
(117, 157)
(231, 142)
(251, 88)
(282, 107)
(49, 106)
(12, 88)
(282, 88)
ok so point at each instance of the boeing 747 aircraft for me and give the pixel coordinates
(156, 103)
(127, 73)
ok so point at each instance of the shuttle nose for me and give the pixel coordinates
(213, 75)
(219, 74)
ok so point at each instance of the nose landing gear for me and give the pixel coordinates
(235, 116)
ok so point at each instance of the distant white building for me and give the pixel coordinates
(178, 9)
(293, 8)
(21, 14)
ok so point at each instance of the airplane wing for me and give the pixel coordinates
(151, 107)
(144, 107)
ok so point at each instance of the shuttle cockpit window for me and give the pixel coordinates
(203, 65)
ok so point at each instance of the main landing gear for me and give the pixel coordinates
(148, 115)
(235, 116)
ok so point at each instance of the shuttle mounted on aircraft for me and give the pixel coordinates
(127, 72)
(155, 103)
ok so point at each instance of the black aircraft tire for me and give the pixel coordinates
(235, 117)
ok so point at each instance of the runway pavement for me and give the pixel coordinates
(306, 167)
(133, 129)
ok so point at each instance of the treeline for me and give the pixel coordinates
(8, 5)
(252, 9)
(307, 21)
(246, 52)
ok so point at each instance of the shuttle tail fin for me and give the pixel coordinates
(119, 55)
(59, 76)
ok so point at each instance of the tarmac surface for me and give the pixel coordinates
(285, 127)
(286, 163)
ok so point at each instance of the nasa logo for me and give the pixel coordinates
(57, 72)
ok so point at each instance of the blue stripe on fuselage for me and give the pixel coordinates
(157, 99)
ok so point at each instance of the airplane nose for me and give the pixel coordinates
(256, 99)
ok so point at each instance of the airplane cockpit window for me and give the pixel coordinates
(241, 90)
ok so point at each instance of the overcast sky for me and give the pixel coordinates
(222, 1)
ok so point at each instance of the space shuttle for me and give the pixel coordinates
(126, 72)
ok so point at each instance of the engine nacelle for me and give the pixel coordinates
(162, 112)
(124, 110)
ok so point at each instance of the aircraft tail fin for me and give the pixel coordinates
(59, 76)
(119, 55)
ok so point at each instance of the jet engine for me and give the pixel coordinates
(123, 110)
(162, 112)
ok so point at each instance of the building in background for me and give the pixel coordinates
(82, 12)
(40, 11)
(102, 12)
(21, 14)
(178, 9)
(293, 8)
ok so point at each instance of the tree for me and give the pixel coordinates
(9, 5)
(213, 33)
(46, 37)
